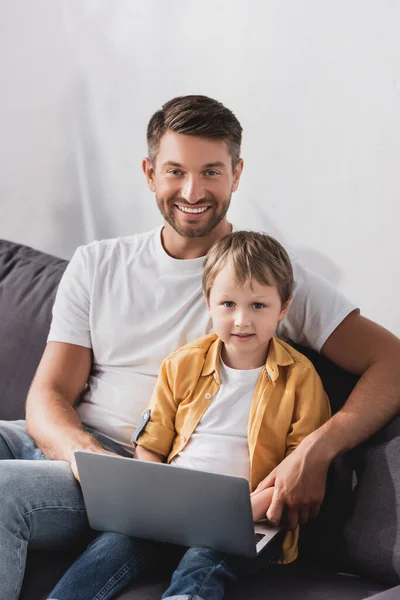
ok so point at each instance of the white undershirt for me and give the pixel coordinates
(219, 442)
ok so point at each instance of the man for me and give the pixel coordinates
(124, 305)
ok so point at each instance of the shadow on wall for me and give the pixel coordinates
(308, 257)
(80, 221)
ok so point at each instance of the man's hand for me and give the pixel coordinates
(299, 487)
(99, 450)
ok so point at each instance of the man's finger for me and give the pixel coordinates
(304, 515)
(314, 510)
(291, 518)
(274, 513)
(269, 481)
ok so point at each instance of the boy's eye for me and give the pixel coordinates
(258, 305)
(228, 304)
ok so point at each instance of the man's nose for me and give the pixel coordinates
(192, 190)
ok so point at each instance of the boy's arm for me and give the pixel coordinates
(144, 454)
(158, 432)
(260, 503)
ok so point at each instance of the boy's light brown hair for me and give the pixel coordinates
(195, 115)
(251, 255)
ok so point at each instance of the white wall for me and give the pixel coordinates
(316, 86)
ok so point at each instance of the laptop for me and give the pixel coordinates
(171, 504)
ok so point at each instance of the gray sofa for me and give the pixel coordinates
(351, 552)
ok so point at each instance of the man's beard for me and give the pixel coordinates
(192, 230)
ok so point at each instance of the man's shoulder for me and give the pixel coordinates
(125, 245)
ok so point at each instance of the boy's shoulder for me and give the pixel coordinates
(287, 355)
(199, 347)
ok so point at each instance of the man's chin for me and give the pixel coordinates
(192, 231)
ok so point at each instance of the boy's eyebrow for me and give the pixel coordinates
(171, 163)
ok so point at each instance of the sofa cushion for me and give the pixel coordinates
(371, 536)
(28, 283)
(301, 579)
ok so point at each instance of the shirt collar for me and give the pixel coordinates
(277, 357)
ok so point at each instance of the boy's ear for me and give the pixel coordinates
(285, 308)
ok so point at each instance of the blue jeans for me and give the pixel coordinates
(113, 561)
(41, 504)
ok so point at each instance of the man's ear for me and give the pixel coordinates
(236, 174)
(149, 172)
(285, 308)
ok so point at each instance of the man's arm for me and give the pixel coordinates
(366, 349)
(50, 415)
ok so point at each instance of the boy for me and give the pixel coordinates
(234, 402)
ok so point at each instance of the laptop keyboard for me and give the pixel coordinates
(258, 537)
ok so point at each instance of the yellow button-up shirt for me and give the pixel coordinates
(288, 403)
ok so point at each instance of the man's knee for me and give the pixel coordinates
(16, 443)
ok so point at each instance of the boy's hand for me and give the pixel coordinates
(260, 503)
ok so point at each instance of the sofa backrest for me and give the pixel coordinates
(358, 526)
(28, 283)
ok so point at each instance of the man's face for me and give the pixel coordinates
(193, 181)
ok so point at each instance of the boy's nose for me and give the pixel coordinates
(242, 319)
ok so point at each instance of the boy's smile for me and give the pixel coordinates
(245, 318)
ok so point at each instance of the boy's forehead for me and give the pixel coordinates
(225, 282)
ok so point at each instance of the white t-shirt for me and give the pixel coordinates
(133, 304)
(219, 442)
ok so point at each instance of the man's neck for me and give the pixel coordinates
(185, 248)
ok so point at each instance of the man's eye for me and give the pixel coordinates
(258, 305)
(174, 172)
(211, 173)
(228, 304)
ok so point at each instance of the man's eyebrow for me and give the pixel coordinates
(171, 163)
(214, 164)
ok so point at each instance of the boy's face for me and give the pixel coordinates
(245, 318)
(193, 181)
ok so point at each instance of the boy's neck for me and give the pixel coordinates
(244, 361)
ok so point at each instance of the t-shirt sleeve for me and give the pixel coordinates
(70, 322)
(317, 309)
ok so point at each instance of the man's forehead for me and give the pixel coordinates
(190, 150)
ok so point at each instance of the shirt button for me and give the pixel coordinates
(207, 396)
(215, 376)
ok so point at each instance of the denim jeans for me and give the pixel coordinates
(113, 561)
(41, 504)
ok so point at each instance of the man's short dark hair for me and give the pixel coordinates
(195, 115)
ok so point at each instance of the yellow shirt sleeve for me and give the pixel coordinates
(311, 408)
(159, 433)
